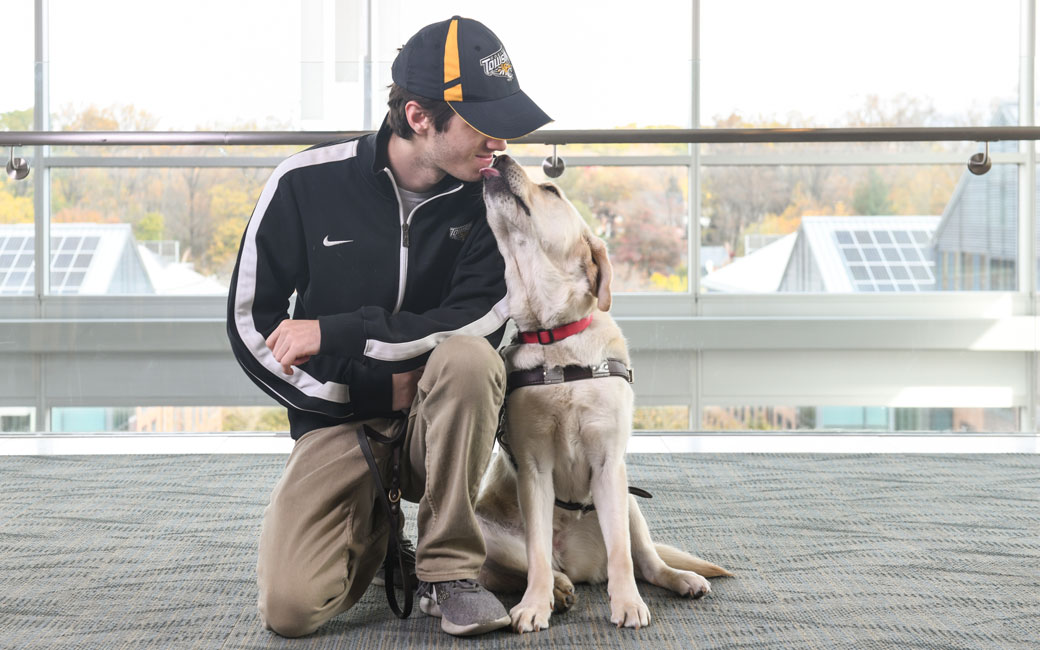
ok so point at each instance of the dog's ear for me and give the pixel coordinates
(599, 271)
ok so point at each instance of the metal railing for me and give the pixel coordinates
(549, 136)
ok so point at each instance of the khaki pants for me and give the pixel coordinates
(324, 534)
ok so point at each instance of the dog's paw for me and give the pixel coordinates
(563, 594)
(629, 613)
(530, 617)
(691, 585)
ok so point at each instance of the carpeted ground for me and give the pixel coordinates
(830, 551)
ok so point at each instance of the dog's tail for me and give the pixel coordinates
(677, 559)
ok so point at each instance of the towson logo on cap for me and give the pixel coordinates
(497, 65)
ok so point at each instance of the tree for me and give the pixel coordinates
(149, 227)
(871, 196)
(649, 246)
(15, 209)
(640, 213)
(740, 200)
(17, 120)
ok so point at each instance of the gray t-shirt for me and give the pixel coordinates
(411, 199)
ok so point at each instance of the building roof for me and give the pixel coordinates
(876, 253)
(94, 258)
(838, 255)
(759, 272)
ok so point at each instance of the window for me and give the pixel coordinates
(800, 62)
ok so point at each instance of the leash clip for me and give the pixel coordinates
(552, 375)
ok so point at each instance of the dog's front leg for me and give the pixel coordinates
(610, 494)
(535, 492)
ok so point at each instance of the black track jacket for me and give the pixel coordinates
(386, 287)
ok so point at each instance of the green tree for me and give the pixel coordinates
(871, 196)
(150, 227)
(17, 120)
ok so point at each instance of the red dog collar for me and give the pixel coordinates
(545, 337)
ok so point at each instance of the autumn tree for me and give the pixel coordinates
(771, 199)
(16, 197)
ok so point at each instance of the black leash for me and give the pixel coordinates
(391, 500)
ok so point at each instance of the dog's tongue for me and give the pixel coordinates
(489, 172)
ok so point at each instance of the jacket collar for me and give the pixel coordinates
(373, 155)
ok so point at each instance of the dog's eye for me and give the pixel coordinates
(551, 188)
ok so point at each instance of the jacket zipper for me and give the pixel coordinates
(405, 221)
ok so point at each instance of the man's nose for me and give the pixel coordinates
(496, 145)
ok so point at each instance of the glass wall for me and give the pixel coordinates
(806, 255)
(851, 229)
(886, 63)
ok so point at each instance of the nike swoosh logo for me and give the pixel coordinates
(335, 243)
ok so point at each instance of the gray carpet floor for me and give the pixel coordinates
(829, 551)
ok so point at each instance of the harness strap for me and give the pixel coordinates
(391, 502)
(586, 508)
(562, 374)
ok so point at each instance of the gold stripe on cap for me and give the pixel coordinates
(453, 94)
(452, 69)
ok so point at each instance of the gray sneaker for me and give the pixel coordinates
(464, 607)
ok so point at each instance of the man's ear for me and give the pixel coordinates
(417, 117)
(599, 271)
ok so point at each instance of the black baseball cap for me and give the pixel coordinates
(463, 63)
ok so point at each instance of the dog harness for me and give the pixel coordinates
(558, 375)
(562, 374)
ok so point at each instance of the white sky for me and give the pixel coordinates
(589, 64)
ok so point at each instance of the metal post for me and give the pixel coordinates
(368, 66)
(41, 199)
(693, 190)
(1027, 215)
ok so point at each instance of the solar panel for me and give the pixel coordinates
(887, 259)
(64, 258)
(70, 258)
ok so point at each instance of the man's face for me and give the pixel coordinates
(461, 151)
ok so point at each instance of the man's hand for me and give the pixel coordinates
(406, 385)
(294, 341)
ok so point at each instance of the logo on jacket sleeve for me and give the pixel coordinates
(459, 233)
(497, 65)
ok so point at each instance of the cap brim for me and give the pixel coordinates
(503, 119)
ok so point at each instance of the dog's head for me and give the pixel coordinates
(555, 266)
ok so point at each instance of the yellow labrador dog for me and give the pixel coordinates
(567, 426)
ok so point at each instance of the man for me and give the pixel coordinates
(399, 304)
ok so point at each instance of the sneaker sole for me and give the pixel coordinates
(430, 608)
